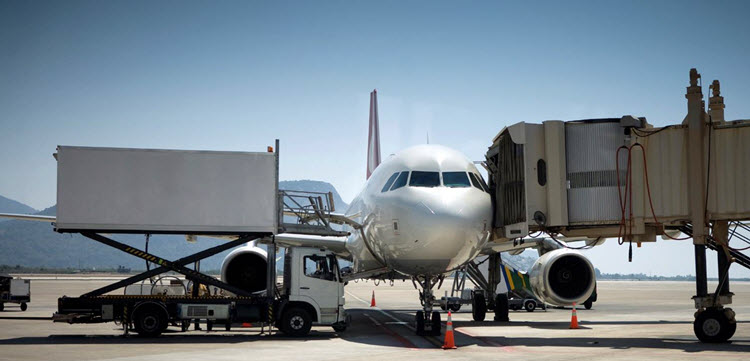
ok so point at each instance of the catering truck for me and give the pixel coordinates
(104, 192)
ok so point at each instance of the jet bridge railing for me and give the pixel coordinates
(308, 213)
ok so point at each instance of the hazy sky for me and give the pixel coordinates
(236, 75)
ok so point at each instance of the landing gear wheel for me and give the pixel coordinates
(588, 304)
(296, 322)
(419, 318)
(478, 307)
(529, 305)
(455, 307)
(715, 325)
(436, 325)
(149, 321)
(501, 308)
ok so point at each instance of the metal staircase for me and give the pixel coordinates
(740, 258)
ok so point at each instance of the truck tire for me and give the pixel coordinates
(455, 307)
(149, 320)
(2, 306)
(588, 304)
(296, 322)
(339, 327)
(478, 307)
(529, 305)
(24, 306)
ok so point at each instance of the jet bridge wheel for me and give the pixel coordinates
(715, 325)
(478, 307)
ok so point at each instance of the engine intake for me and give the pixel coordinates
(562, 276)
(246, 268)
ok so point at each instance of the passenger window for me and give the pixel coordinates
(389, 182)
(424, 179)
(455, 179)
(401, 180)
(475, 181)
(318, 267)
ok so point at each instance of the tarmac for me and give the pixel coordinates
(631, 320)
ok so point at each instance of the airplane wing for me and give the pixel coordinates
(28, 217)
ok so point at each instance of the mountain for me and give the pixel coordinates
(8, 205)
(315, 186)
(35, 244)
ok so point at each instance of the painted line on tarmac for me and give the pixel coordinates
(392, 333)
(397, 321)
(485, 340)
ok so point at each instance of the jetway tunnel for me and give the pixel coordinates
(624, 178)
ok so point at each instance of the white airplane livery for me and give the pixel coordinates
(423, 213)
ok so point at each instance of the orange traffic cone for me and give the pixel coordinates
(372, 302)
(574, 318)
(449, 343)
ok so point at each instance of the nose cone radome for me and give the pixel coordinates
(442, 230)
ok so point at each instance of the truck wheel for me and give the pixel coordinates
(529, 305)
(478, 307)
(2, 306)
(296, 322)
(150, 320)
(339, 327)
(455, 307)
(24, 306)
(228, 326)
(713, 325)
(209, 325)
(588, 304)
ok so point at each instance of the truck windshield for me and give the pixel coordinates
(424, 179)
(319, 267)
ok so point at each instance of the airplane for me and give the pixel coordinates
(423, 213)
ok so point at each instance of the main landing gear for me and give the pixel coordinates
(427, 321)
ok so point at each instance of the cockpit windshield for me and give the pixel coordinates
(455, 179)
(424, 179)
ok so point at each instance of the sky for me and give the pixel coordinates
(236, 75)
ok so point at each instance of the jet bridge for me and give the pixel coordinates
(622, 177)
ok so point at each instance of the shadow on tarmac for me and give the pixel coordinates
(173, 337)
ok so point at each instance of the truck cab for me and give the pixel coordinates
(312, 292)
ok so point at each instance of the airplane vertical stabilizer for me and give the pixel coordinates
(373, 140)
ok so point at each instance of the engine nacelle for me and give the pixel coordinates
(246, 268)
(562, 276)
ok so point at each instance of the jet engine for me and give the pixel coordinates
(246, 268)
(562, 276)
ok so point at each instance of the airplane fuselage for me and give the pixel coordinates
(424, 211)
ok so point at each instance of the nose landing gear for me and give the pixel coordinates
(427, 321)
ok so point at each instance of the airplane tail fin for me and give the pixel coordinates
(373, 139)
